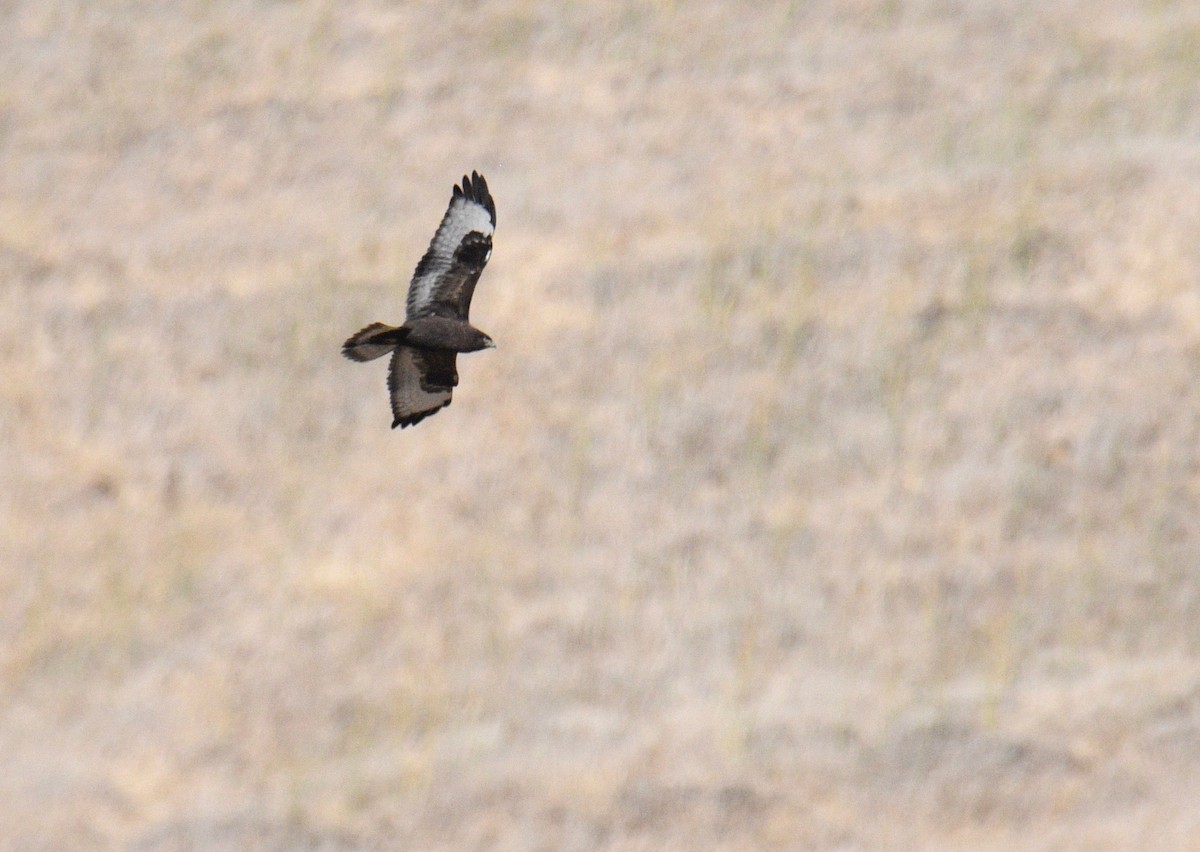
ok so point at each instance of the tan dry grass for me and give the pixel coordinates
(834, 484)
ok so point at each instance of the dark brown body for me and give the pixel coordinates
(436, 333)
(443, 333)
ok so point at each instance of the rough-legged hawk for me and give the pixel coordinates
(422, 375)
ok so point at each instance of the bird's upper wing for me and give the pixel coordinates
(445, 278)
(421, 382)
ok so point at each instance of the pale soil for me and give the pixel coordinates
(835, 482)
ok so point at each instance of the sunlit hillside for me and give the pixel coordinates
(834, 484)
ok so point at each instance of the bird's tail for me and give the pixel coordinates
(372, 342)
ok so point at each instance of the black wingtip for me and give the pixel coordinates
(414, 419)
(475, 188)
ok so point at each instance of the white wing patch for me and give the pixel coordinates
(410, 402)
(462, 217)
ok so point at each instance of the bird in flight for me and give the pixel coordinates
(422, 374)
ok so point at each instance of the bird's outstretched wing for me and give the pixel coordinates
(421, 382)
(446, 276)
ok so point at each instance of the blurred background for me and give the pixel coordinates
(835, 482)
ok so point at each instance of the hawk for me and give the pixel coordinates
(422, 374)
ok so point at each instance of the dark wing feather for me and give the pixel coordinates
(453, 290)
(421, 382)
(446, 276)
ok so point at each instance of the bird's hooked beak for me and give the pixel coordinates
(489, 344)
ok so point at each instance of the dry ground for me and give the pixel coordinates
(835, 484)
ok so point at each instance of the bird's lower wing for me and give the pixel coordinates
(421, 383)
